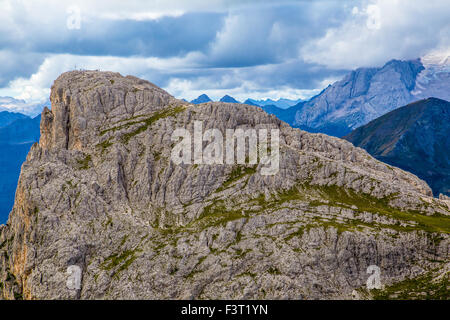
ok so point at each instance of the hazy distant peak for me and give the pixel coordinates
(229, 99)
(201, 99)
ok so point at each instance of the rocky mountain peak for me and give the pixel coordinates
(201, 99)
(367, 93)
(82, 101)
(100, 194)
(408, 70)
(228, 99)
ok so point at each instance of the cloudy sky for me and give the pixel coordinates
(257, 49)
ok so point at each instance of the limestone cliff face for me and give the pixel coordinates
(100, 192)
(81, 103)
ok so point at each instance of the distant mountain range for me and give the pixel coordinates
(368, 93)
(99, 197)
(228, 99)
(13, 105)
(361, 96)
(414, 138)
(16, 138)
(204, 98)
(7, 118)
(287, 115)
(201, 99)
(280, 103)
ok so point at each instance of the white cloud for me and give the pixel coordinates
(254, 54)
(140, 16)
(383, 30)
(48, 11)
(259, 34)
(36, 88)
(191, 89)
(242, 83)
(15, 105)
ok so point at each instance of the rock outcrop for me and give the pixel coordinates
(101, 193)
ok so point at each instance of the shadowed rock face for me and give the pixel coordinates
(100, 192)
(414, 138)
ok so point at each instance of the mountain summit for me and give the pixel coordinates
(99, 196)
(201, 99)
(7, 118)
(361, 96)
(16, 139)
(228, 99)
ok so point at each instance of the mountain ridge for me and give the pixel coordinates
(6, 117)
(414, 138)
(228, 99)
(367, 93)
(11, 104)
(281, 103)
(15, 142)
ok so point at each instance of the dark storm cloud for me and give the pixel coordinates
(216, 44)
(165, 37)
(16, 64)
(247, 36)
